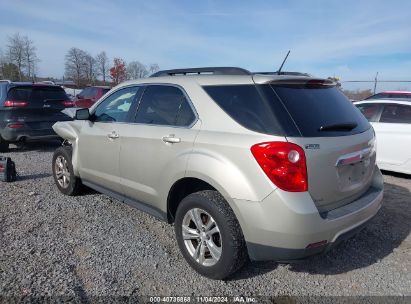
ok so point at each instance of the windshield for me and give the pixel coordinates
(88, 92)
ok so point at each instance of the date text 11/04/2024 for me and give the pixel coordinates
(202, 299)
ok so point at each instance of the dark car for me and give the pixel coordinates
(90, 95)
(28, 111)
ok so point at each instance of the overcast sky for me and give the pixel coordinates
(349, 39)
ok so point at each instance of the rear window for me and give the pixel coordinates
(37, 94)
(321, 111)
(290, 110)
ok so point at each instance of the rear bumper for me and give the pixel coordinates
(283, 225)
(259, 252)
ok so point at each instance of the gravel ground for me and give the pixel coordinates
(91, 245)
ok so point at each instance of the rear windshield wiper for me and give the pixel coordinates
(339, 127)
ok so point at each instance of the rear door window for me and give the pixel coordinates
(165, 105)
(393, 113)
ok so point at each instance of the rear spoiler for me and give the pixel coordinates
(291, 80)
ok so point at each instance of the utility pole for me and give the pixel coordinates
(375, 83)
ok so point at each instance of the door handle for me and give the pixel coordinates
(113, 135)
(171, 139)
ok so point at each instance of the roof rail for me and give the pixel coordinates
(203, 71)
(5, 80)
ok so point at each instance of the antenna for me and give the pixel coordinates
(279, 70)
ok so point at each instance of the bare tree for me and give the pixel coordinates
(16, 52)
(152, 68)
(30, 57)
(2, 64)
(102, 65)
(74, 65)
(136, 70)
(89, 68)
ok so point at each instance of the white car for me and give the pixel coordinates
(391, 120)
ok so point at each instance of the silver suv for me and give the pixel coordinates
(265, 166)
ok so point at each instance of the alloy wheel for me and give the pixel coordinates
(202, 237)
(62, 172)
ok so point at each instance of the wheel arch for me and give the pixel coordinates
(192, 184)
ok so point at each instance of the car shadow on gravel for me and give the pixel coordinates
(254, 269)
(37, 146)
(380, 237)
(396, 174)
(33, 176)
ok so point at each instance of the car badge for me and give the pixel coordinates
(313, 146)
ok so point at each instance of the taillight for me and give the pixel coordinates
(15, 103)
(68, 103)
(15, 125)
(284, 164)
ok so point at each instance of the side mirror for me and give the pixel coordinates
(82, 114)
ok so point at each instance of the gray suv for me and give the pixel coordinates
(246, 165)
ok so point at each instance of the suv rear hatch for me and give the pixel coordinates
(338, 141)
(38, 106)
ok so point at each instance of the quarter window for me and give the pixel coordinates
(116, 107)
(254, 107)
(394, 113)
(164, 105)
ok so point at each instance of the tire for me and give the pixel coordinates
(4, 145)
(63, 175)
(229, 240)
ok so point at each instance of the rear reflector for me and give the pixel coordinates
(317, 244)
(283, 163)
(16, 125)
(15, 103)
